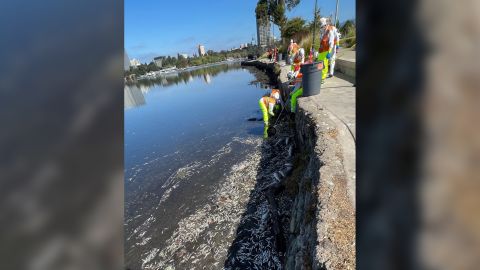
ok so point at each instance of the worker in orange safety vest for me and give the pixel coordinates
(328, 44)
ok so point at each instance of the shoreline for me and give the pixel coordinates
(321, 184)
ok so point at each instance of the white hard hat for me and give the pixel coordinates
(323, 22)
(291, 40)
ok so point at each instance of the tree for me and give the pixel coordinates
(348, 33)
(274, 10)
(292, 3)
(277, 11)
(293, 27)
(347, 27)
(316, 21)
(182, 62)
(262, 11)
(152, 67)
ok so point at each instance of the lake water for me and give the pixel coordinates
(190, 162)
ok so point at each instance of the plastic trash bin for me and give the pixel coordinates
(312, 78)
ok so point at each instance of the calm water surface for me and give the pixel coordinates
(183, 134)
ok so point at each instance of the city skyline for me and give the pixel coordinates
(147, 23)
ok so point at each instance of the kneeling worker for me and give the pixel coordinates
(297, 92)
(267, 104)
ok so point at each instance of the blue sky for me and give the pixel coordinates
(154, 27)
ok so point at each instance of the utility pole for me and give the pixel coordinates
(314, 26)
(336, 15)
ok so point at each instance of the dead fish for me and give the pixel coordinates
(290, 150)
(279, 141)
(287, 140)
(252, 119)
(287, 170)
(281, 173)
(275, 175)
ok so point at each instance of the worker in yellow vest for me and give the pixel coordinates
(327, 45)
(298, 60)
(292, 50)
(296, 93)
(266, 104)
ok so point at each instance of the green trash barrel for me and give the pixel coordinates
(312, 78)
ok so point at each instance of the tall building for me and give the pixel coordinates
(263, 32)
(201, 50)
(158, 61)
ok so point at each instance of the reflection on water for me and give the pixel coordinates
(133, 96)
(185, 144)
(206, 78)
(134, 91)
(206, 73)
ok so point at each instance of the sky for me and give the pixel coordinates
(154, 28)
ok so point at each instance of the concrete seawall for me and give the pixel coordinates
(322, 224)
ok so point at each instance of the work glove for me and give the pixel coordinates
(328, 56)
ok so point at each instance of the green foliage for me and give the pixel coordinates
(293, 28)
(348, 38)
(292, 3)
(348, 27)
(277, 9)
(306, 42)
(261, 11)
(186, 76)
(181, 62)
(274, 9)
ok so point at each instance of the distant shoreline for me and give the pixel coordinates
(159, 73)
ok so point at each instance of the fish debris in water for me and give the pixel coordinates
(275, 175)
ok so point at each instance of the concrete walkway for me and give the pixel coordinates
(325, 131)
(346, 54)
(338, 96)
(337, 99)
(331, 114)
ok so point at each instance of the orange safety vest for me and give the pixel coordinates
(274, 91)
(324, 44)
(296, 67)
(299, 77)
(294, 49)
(268, 100)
